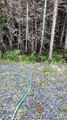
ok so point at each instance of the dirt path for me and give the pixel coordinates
(48, 98)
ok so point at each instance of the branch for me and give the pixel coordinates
(49, 14)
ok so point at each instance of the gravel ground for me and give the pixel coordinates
(47, 99)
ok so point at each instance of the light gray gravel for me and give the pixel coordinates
(48, 98)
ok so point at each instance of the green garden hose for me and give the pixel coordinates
(27, 93)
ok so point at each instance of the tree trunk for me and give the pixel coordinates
(27, 27)
(65, 46)
(62, 32)
(34, 26)
(53, 28)
(19, 25)
(19, 35)
(8, 10)
(1, 37)
(36, 36)
(9, 19)
(43, 27)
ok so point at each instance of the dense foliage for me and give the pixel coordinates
(21, 26)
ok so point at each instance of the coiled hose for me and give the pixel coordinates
(27, 93)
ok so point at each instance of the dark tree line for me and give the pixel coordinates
(33, 25)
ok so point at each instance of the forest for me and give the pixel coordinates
(34, 27)
(33, 59)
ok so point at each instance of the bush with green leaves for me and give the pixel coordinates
(57, 56)
(32, 57)
(12, 55)
(65, 55)
(0, 54)
(15, 55)
(29, 58)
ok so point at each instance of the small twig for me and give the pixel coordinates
(49, 14)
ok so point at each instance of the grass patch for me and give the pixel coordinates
(51, 110)
(16, 56)
(21, 113)
(65, 75)
(2, 88)
(55, 80)
(47, 71)
(42, 83)
(46, 85)
(1, 101)
(60, 96)
(64, 108)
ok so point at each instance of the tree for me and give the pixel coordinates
(63, 31)
(43, 27)
(30, 24)
(1, 39)
(65, 46)
(9, 8)
(27, 29)
(53, 27)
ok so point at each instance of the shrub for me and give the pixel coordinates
(65, 56)
(57, 56)
(32, 57)
(29, 58)
(12, 55)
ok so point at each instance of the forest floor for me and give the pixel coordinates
(47, 99)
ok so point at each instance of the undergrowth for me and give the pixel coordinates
(16, 56)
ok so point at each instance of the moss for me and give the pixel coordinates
(2, 88)
(38, 116)
(51, 109)
(43, 83)
(60, 96)
(46, 85)
(21, 113)
(65, 75)
(47, 71)
(64, 108)
(1, 101)
(65, 83)
(55, 80)
(2, 21)
(4, 80)
(13, 87)
(15, 97)
(57, 69)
